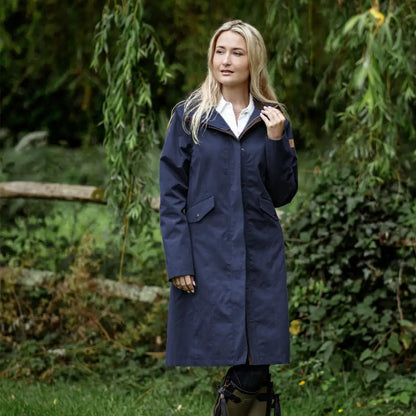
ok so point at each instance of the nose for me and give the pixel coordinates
(226, 59)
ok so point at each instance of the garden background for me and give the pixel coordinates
(87, 88)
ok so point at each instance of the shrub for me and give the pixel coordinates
(351, 262)
(67, 327)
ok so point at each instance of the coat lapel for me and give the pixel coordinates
(217, 122)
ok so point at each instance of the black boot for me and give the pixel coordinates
(246, 391)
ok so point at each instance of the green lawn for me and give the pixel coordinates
(178, 393)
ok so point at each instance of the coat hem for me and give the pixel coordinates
(228, 363)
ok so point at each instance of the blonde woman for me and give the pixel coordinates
(228, 160)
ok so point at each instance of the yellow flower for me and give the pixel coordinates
(340, 410)
(55, 401)
(301, 383)
(378, 16)
(295, 327)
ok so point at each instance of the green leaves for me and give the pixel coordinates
(131, 54)
(352, 68)
(351, 262)
(47, 82)
(134, 66)
(378, 42)
(354, 235)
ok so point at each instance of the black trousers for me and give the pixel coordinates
(249, 377)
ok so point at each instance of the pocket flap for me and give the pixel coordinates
(267, 207)
(199, 210)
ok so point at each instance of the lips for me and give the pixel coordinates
(226, 72)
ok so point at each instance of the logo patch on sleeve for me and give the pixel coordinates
(291, 143)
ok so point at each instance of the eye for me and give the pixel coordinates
(219, 51)
(236, 53)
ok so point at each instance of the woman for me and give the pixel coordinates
(227, 162)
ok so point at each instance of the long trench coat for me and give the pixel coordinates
(219, 224)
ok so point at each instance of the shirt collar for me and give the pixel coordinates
(250, 108)
(223, 104)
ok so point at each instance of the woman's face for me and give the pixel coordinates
(230, 62)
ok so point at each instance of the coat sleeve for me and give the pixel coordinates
(173, 181)
(282, 168)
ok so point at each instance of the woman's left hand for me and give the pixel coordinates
(274, 120)
(185, 283)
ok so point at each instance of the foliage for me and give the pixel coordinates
(352, 243)
(351, 69)
(53, 163)
(327, 61)
(76, 242)
(43, 234)
(378, 94)
(130, 64)
(50, 242)
(65, 326)
(46, 81)
(352, 270)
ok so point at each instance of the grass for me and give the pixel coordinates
(180, 392)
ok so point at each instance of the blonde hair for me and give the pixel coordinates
(199, 106)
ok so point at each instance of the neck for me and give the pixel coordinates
(238, 97)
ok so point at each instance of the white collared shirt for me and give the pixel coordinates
(225, 109)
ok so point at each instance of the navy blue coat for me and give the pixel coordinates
(219, 223)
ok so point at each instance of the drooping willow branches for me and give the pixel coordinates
(128, 49)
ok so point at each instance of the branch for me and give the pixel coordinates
(399, 283)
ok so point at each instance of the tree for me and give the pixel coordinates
(350, 68)
(46, 79)
(133, 59)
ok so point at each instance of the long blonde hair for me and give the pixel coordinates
(201, 103)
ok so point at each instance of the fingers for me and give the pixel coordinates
(272, 115)
(185, 283)
(274, 120)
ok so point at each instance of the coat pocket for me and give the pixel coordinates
(268, 208)
(196, 212)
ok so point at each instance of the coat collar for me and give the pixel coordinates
(217, 122)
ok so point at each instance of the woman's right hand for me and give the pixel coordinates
(185, 283)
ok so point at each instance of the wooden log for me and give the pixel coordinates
(59, 191)
(113, 288)
(105, 287)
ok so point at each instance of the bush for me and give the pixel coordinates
(65, 326)
(351, 262)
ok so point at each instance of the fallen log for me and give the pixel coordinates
(58, 191)
(105, 287)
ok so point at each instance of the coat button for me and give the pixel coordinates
(197, 215)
